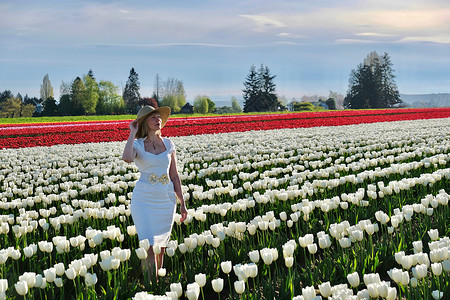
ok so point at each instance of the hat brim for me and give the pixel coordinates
(163, 111)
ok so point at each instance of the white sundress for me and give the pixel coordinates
(153, 202)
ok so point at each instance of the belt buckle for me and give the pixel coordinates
(154, 179)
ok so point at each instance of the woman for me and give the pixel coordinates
(154, 199)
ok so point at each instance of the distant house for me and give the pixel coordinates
(187, 109)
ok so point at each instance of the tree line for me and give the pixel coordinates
(371, 85)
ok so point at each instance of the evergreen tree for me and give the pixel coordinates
(91, 74)
(50, 107)
(269, 101)
(6, 94)
(131, 93)
(251, 90)
(259, 91)
(65, 107)
(372, 84)
(331, 103)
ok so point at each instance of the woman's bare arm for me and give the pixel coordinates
(129, 153)
(175, 178)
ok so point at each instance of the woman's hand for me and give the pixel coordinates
(134, 126)
(183, 211)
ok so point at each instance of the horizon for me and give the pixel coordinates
(210, 45)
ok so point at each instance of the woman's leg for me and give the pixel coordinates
(148, 266)
(160, 259)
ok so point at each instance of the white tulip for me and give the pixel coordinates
(177, 288)
(200, 279)
(162, 272)
(434, 234)
(3, 285)
(115, 263)
(41, 282)
(70, 273)
(239, 286)
(420, 271)
(446, 265)
(254, 256)
(131, 230)
(436, 268)
(395, 274)
(405, 278)
(325, 289)
(391, 293)
(21, 288)
(217, 285)
(144, 244)
(141, 253)
(345, 242)
(226, 266)
(157, 249)
(267, 257)
(417, 246)
(50, 274)
(308, 293)
(353, 279)
(59, 269)
(436, 294)
(29, 278)
(289, 261)
(58, 282)
(312, 248)
(90, 279)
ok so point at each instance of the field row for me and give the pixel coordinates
(30, 135)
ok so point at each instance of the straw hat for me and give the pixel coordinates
(164, 111)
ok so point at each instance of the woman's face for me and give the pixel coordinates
(154, 122)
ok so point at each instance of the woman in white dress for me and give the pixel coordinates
(154, 199)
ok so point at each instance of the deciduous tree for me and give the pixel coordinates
(77, 95)
(109, 100)
(91, 95)
(201, 104)
(173, 94)
(46, 88)
(235, 105)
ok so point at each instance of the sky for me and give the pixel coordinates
(310, 45)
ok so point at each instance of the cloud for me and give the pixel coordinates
(210, 24)
(174, 44)
(375, 34)
(432, 39)
(290, 35)
(354, 41)
(264, 22)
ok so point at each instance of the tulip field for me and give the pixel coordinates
(337, 205)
